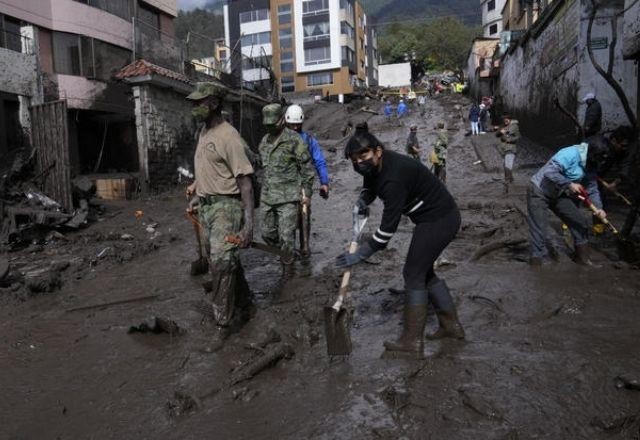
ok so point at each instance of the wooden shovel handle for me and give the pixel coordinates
(346, 276)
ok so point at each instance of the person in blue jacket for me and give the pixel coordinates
(402, 109)
(572, 171)
(388, 110)
(294, 117)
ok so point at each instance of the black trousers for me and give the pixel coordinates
(428, 241)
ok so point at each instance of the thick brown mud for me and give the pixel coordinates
(543, 349)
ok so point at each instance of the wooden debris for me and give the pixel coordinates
(270, 358)
(494, 246)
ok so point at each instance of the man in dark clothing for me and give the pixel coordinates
(407, 187)
(592, 116)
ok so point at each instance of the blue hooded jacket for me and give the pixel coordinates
(388, 110)
(568, 166)
(316, 155)
(402, 109)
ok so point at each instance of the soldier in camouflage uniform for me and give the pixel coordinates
(439, 157)
(224, 202)
(287, 170)
(509, 136)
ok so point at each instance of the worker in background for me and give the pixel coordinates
(592, 116)
(224, 202)
(287, 172)
(294, 117)
(407, 187)
(403, 109)
(509, 137)
(439, 156)
(413, 147)
(571, 172)
(388, 110)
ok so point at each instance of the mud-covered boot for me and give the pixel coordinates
(440, 297)
(583, 255)
(288, 272)
(411, 341)
(449, 326)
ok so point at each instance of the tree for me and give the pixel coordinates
(440, 43)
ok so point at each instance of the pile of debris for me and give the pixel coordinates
(27, 214)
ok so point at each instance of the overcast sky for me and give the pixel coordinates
(191, 4)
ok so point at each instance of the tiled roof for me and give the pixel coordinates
(143, 68)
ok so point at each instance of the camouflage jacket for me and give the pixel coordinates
(509, 137)
(287, 168)
(441, 144)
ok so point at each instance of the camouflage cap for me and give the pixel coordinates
(205, 89)
(271, 114)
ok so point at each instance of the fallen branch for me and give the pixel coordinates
(113, 303)
(494, 246)
(270, 358)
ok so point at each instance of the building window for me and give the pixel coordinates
(493, 29)
(348, 54)
(257, 15)
(313, 7)
(285, 36)
(284, 14)
(319, 79)
(491, 5)
(348, 6)
(121, 8)
(317, 55)
(256, 63)
(286, 67)
(10, 35)
(222, 55)
(83, 56)
(347, 29)
(286, 62)
(149, 18)
(288, 84)
(255, 39)
(316, 31)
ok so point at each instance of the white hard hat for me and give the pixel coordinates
(589, 96)
(294, 115)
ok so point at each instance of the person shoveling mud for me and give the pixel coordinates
(407, 187)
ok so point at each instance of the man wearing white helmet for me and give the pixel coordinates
(294, 117)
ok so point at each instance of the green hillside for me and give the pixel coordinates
(468, 11)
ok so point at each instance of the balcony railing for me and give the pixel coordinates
(317, 37)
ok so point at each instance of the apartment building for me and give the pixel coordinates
(492, 17)
(69, 50)
(322, 46)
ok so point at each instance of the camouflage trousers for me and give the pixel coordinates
(279, 224)
(221, 216)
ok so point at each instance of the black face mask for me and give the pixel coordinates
(365, 168)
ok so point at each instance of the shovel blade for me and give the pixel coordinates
(337, 331)
(199, 267)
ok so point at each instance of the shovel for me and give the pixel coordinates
(234, 239)
(337, 317)
(201, 265)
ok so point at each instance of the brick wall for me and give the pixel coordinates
(165, 133)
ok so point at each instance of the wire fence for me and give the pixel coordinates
(203, 58)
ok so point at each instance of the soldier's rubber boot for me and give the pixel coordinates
(244, 298)
(582, 256)
(440, 297)
(288, 273)
(411, 340)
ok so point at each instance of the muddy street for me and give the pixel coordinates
(543, 349)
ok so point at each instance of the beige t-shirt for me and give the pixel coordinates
(220, 158)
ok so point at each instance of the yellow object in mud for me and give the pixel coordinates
(598, 228)
(433, 158)
(564, 227)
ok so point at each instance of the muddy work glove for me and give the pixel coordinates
(363, 208)
(347, 259)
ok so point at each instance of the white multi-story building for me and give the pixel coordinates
(492, 17)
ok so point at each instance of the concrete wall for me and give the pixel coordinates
(165, 133)
(551, 61)
(18, 73)
(625, 72)
(86, 94)
(394, 75)
(631, 39)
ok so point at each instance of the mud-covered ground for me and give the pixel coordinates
(544, 346)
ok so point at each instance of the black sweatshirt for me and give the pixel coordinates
(407, 187)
